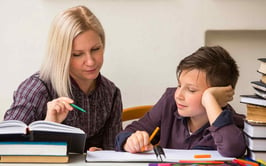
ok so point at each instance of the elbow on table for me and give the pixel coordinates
(237, 150)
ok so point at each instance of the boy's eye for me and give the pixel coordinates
(191, 90)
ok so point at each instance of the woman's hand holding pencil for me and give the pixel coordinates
(57, 109)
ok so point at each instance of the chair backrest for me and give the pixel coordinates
(135, 112)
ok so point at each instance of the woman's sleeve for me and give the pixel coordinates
(29, 101)
(114, 124)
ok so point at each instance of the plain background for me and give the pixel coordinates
(146, 39)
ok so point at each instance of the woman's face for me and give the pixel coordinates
(87, 57)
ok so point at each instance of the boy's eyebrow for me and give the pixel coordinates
(194, 85)
(190, 85)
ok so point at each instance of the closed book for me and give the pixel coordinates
(260, 93)
(43, 131)
(255, 130)
(253, 99)
(33, 148)
(257, 155)
(256, 113)
(263, 78)
(34, 159)
(262, 67)
(259, 85)
(256, 144)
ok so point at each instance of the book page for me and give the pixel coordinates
(114, 156)
(12, 127)
(172, 155)
(53, 127)
(177, 154)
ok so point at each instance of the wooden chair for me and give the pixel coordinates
(135, 112)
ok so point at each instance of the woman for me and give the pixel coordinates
(71, 74)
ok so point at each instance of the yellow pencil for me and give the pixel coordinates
(152, 136)
(154, 133)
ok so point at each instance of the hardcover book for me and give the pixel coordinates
(255, 130)
(253, 99)
(257, 155)
(34, 159)
(33, 148)
(263, 78)
(262, 68)
(256, 113)
(260, 93)
(256, 144)
(43, 131)
(259, 85)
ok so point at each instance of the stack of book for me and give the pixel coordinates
(39, 142)
(255, 124)
(256, 140)
(31, 152)
(259, 96)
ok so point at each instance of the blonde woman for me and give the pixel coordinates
(71, 74)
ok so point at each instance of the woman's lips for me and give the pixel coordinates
(90, 71)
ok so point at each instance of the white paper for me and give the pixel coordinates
(172, 155)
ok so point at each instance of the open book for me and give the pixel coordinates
(171, 155)
(15, 130)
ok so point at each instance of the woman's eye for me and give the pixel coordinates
(95, 49)
(76, 54)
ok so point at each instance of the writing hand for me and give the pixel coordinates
(138, 142)
(58, 109)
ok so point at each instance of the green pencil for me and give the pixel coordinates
(77, 107)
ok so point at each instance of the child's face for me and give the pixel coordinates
(192, 84)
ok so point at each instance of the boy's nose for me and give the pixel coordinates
(179, 94)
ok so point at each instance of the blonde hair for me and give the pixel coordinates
(65, 27)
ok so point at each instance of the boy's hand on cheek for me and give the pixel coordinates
(214, 98)
(222, 95)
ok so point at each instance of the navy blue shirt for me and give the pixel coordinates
(225, 134)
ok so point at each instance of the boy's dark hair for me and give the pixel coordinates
(221, 69)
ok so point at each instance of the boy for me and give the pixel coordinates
(196, 114)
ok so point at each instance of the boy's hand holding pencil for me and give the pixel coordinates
(140, 141)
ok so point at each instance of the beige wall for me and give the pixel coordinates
(145, 40)
(246, 46)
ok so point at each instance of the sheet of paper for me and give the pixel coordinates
(172, 155)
